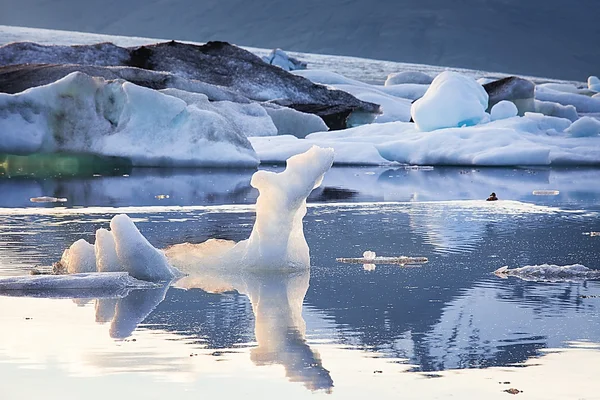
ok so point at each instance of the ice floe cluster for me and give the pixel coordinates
(175, 104)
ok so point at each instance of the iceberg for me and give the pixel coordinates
(517, 90)
(79, 258)
(533, 139)
(136, 255)
(584, 127)
(408, 77)
(503, 109)
(81, 114)
(277, 238)
(452, 100)
(282, 60)
(593, 83)
(218, 64)
(549, 272)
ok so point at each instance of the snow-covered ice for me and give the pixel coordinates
(504, 109)
(452, 100)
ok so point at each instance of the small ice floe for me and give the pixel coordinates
(546, 192)
(47, 199)
(549, 273)
(95, 284)
(369, 257)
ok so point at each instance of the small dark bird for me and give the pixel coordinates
(492, 197)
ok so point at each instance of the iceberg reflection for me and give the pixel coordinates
(277, 299)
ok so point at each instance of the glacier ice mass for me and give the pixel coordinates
(82, 114)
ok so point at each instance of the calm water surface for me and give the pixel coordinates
(339, 330)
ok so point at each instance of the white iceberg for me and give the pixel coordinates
(277, 239)
(136, 255)
(452, 100)
(594, 83)
(549, 272)
(107, 259)
(584, 127)
(81, 114)
(503, 109)
(79, 258)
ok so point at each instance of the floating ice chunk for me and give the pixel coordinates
(47, 199)
(545, 192)
(504, 109)
(401, 260)
(452, 100)
(549, 272)
(79, 281)
(594, 83)
(369, 255)
(584, 127)
(79, 258)
(137, 256)
(281, 59)
(408, 77)
(278, 235)
(106, 252)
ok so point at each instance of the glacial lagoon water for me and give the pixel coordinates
(446, 328)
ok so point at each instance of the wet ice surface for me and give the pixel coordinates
(451, 313)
